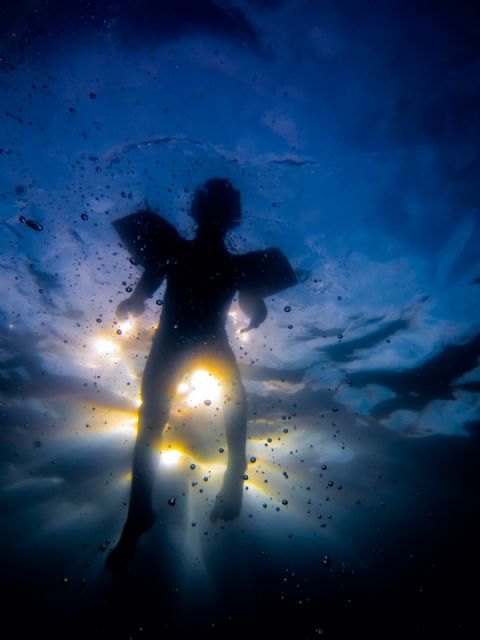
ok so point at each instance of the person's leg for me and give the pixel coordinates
(158, 389)
(229, 500)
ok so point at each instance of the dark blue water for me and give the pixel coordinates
(352, 133)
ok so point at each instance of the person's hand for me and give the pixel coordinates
(252, 325)
(130, 305)
(122, 310)
(302, 274)
(254, 307)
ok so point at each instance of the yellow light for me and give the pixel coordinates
(126, 325)
(170, 458)
(105, 347)
(128, 426)
(205, 388)
(183, 387)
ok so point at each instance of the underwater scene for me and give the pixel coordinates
(240, 318)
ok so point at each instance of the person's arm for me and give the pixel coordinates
(254, 307)
(146, 287)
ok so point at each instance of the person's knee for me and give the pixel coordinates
(236, 397)
(236, 391)
(159, 387)
(241, 395)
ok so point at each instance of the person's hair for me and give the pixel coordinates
(217, 203)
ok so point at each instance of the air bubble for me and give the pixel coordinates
(33, 224)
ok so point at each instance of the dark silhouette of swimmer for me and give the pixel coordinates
(202, 279)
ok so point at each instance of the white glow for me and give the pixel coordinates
(126, 325)
(170, 458)
(243, 336)
(205, 388)
(128, 426)
(183, 387)
(105, 347)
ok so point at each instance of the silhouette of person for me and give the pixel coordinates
(202, 279)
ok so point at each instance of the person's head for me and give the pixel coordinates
(216, 206)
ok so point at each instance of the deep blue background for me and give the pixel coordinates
(352, 131)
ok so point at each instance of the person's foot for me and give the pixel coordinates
(119, 557)
(228, 502)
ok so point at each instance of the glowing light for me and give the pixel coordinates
(105, 347)
(128, 426)
(243, 336)
(126, 325)
(170, 458)
(183, 387)
(205, 388)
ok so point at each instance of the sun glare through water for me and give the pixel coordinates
(105, 347)
(170, 458)
(201, 387)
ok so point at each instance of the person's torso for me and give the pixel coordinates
(201, 283)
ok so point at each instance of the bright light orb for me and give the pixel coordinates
(170, 458)
(126, 325)
(205, 388)
(183, 387)
(105, 347)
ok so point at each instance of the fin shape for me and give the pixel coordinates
(264, 273)
(148, 237)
